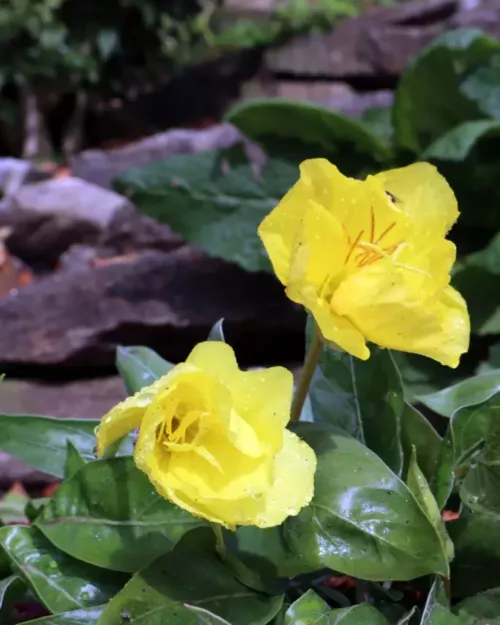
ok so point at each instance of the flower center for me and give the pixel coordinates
(180, 427)
(366, 252)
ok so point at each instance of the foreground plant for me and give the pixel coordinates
(212, 440)
(224, 512)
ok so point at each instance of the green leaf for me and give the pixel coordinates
(309, 608)
(479, 490)
(481, 608)
(363, 398)
(12, 508)
(74, 460)
(416, 431)
(140, 367)
(204, 617)
(61, 583)
(457, 144)
(363, 520)
(470, 392)
(89, 616)
(310, 131)
(217, 332)
(419, 487)
(488, 258)
(437, 609)
(476, 566)
(429, 100)
(482, 86)
(422, 376)
(109, 514)
(157, 594)
(213, 199)
(261, 558)
(41, 442)
(464, 438)
(11, 590)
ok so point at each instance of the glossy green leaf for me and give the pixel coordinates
(480, 488)
(34, 506)
(11, 588)
(108, 514)
(437, 608)
(467, 393)
(217, 332)
(212, 199)
(308, 131)
(480, 608)
(61, 583)
(363, 398)
(422, 376)
(204, 617)
(157, 594)
(140, 366)
(419, 487)
(89, 616)
(261, 558)
(482, 86)
(416, 431)
(41, 441)
(308, 608)
(429, 100)
(74, 460)
(476, 566)
(463, 441)
(487, 258)
(457, 144)
(363, 520)
(12, 508)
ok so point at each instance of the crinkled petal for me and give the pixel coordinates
(216, 358)
(333, 327)
(424, 196)
(380, 302)
(263, 400)
(292, 488)
(127, 415)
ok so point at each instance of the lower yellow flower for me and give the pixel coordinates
(369, 259)
(213, 440)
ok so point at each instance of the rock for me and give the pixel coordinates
(101, 166)
(166, 300)
(486, 17)
(337, 95)
(48, 217)
(82, 399)
(14, 173)
(130, 231)
(357, 48)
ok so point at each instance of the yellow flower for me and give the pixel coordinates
(213, 440)
(369, 259)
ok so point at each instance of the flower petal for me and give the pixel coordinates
(382, 304)
(424, 196)
(128, 414)
(216, 358)
(263, 399)
(334, 328)
(292, 488)
(293, 485)
(278, 230)
(320, 248)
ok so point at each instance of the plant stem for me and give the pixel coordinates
(312, 357)
(219, 540)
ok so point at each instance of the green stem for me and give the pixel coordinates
(312, 358)
(112, 450)
(219, 540)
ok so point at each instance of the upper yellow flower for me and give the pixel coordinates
(213, 440)
(369, 259)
